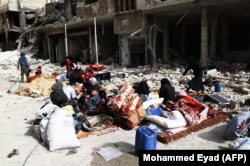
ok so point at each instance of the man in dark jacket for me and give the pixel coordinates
(23, 63)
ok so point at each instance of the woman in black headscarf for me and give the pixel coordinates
(57, 96)
(167, 91)
(196, 83)
(144, 90)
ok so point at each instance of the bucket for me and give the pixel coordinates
(154, 111)
(217, 87)
(145, 139)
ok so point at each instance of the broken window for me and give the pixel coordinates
(87, 2)
(124, 5)
(239, 36)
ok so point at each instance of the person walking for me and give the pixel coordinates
(23, 63)
(196, 83)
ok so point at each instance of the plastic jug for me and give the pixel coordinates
(145, 139)
(217, 87)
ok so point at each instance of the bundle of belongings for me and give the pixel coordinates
(238, 131)
(126, 107)
(185, 111)
(98, 71)
(175, 117)
(94, 125)
(60, 128)
(41, 86)
(55, 126)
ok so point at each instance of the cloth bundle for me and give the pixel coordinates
(126, 107)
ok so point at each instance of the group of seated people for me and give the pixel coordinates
(166, 91)
(90, 99)
(86, 97)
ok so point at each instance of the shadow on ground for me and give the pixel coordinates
(129, 157)
(215, 135)
(31, 132)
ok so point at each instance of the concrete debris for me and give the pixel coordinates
(234, 90)
(13, 153)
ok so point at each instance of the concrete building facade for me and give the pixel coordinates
(16, 16)
(143, 32)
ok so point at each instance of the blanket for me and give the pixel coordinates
(166, 137)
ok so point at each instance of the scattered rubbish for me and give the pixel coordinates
(72, 151)
(212, 72)
(109, 153)
(216, 98)
(13, 88)
(14, 152)
(234, 105)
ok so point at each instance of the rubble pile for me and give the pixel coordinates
(236, 87)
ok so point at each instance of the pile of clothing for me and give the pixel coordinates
(41, 86)
(175, 116)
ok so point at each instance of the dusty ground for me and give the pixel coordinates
(17, 114)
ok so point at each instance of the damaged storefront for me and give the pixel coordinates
(146, 32)
(171, 31)
(76, 37)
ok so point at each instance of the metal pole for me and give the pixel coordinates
(96, 51)
(66, 41)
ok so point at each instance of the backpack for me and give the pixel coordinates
(23, 61)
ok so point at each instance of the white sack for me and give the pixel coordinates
(61, 131)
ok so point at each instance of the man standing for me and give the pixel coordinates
(23, 63)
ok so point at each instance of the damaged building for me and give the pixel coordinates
(72, 34)
(159, 31)
(142, 32)
(16, 17)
